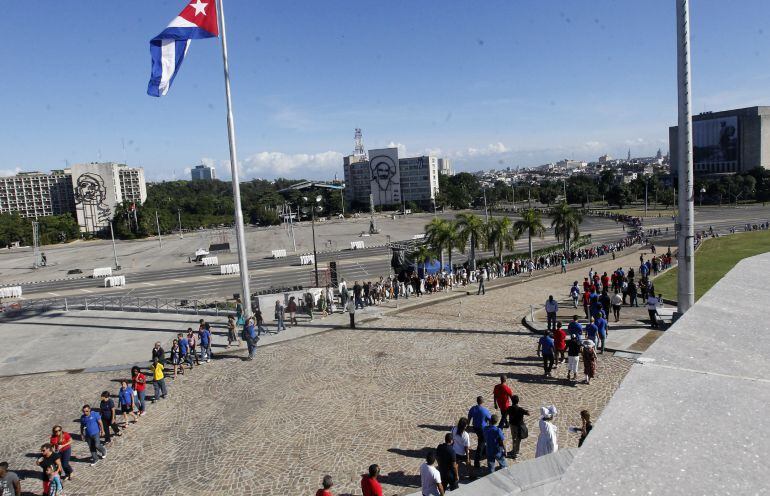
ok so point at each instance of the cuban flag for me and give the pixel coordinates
(197, 20)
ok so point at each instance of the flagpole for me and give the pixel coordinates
(239, 234)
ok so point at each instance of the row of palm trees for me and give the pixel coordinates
(500, 233)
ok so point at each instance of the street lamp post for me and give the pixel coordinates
(114, 250)
(702, 190)
(312, 223)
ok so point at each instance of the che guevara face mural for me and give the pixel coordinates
(91, 193)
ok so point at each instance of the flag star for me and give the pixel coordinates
(200, 7)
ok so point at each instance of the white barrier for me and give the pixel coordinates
(278, 253)
(356, 245)
(419, 236)
(210, 261)
(229, 269)
(10, 292)
(114, 281)
(306, 259)
(102, 272)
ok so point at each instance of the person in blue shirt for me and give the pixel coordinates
(575, 327)
(591, 330)
(250, 333)
(495, 445)
(126, 402)
(91, 428)
(204, 337)
(479, 417)
(545, 348)
(184, 350)
(601, 325)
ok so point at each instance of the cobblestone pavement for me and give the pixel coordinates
(329, 403)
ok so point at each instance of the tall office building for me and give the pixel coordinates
(729, 141)
(35, 194)
(445, 167)
(203, 173)
(89, 191)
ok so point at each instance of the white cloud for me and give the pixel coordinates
(9, 172)
(298, 165)
(401, 148)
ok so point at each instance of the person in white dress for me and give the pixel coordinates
(546, 441)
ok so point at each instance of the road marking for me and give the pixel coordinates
(209, 277)
(86, 291)
(148, 284)
(179, 280)
(52, 293)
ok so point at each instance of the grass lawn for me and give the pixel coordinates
(715, 259)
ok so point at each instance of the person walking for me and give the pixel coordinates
(589, 361)
(479, 417)
(495, 440)
(191, 339)
(184, 351)
(502, 394)
(232, 336)
(62, 445)
(204, 338)
(126, 403)
(574, 293)
(462, 444)
(280, 315)
(292, 309)
(370, 486)
(109, 417)
(48, 460)
(176, 357)
(573, 357)
(55, 487)
(351, 309)
(139, 385)
(547, 441)
(91, 428)
(616, 302)
(430, 478)
(9, 481)
(560, 345)
(250, 335)
(447, 463)
(159, 381)
(551, 309)
(159, 353)
(602, 327)
(585, 426)
(545, 349)
(653, 304)
(480, 277)
(519, 429)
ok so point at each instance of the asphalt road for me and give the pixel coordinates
(196, 282)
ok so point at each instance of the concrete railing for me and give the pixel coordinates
(357, 245)
(10, 292)
(306, 259)
(207, 261)
(114, 281)
(102, 272)
(278, 253)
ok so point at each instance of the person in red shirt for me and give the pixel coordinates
(586, 302)
(502, 394)
(327, 484)
(139, 383)
(62, 444)
(560, 343)
(369, 483)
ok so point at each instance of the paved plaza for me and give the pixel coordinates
(333, 402)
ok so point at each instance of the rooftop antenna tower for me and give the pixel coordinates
(359, 151)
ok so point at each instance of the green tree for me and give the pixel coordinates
(532, 224)
(501, 235)
(619, 195)
(439, 234)
(470, 229)
(566, 223)
(422, 255)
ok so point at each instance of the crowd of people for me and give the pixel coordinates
(114, 412)
(444, 467)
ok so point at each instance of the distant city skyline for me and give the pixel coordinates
(512, 84)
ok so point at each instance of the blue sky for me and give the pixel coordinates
(489, 84)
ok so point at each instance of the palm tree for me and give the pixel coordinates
(423, 254)
(566, 223)
(439, 236)
(531, 224)
(470, 228)
(502, 235)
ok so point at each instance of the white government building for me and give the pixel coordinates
(89, 191)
